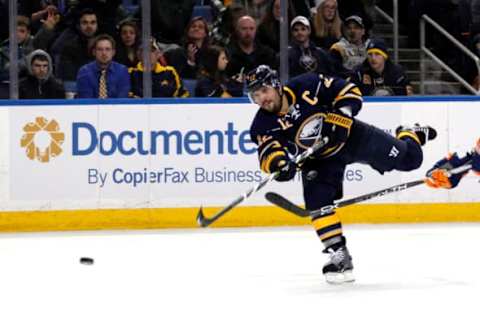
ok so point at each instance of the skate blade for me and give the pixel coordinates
(339, 277)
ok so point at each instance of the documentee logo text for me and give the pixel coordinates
(88, 139)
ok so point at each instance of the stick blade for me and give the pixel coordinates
(202, 221)
(285, 204)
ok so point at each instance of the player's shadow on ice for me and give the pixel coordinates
(319, 286)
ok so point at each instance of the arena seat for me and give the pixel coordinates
(189, 85)
(204, 11)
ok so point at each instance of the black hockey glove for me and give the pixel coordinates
(286, 170)
(273, 158)
(338, 126)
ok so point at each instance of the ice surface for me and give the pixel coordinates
(400, 270)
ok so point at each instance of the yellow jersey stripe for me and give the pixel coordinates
(266, 163)
(347, 96)
(345, 89)
(273, 144)
(290, 92)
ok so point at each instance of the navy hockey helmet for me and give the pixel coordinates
(262, 76)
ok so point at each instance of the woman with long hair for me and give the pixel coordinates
(269, 29)
(327, 24)
(185, 59)
(212, 80)
(127, 43)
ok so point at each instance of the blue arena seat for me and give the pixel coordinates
(4, 90)
(189, 85)
(204, 11)
(70, 89)
(131, 6)
(70, 86)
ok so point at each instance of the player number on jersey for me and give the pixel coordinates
(284, 124)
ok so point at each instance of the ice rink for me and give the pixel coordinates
(400, 269)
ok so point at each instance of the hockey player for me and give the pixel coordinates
(312, 107)
(439, 177)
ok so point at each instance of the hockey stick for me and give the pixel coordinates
(206, 221)
(287, 205)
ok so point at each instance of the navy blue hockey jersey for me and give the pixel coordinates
(314, 103)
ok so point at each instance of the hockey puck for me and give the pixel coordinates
(86, 260)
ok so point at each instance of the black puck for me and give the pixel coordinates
(86, 260)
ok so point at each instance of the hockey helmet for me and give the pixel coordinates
(262, 76)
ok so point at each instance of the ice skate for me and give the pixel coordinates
(422, 133)
(339, 269)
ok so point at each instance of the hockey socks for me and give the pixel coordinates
(328, 227)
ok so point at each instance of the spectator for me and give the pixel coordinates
(25, 47)
(378, 75)
(109, 13)
(255, 8)
(103, 78)
(185, 58)
(213, 81)
(327, 23)
(269, 28)
(303, 8)
(245, 53)
(303, 55)
(169, 19)
(75, 52)
(127, 44)
(165, 80)
(40, 82)
(224, 27)
(48, 31)
(348, 8)
(351, 50)
(37, 11)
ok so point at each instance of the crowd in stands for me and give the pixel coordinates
(201, 48)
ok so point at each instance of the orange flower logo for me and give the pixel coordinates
(34, 131)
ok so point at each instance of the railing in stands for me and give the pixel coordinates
(424, 50)
(394, 21)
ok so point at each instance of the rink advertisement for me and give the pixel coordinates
(124, 155)
(135, 157)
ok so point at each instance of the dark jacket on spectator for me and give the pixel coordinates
(23, 50)
(312, 59)
(269, 34)
(262, 55)
(208, 87)
(165, 82)
(74, 55)
(177, 58)
(121, 56)
(393, 81)
(169, 19)
(32, 88)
